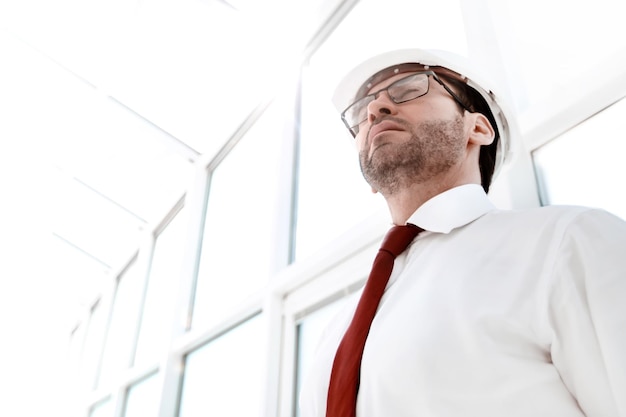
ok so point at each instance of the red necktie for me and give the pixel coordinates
(344, 378)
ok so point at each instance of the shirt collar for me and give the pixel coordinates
(452, 208)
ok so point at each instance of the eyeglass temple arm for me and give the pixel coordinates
(454, 96)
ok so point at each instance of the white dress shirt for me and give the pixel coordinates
(493, 313)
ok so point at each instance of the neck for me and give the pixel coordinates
(404, 202)
(408, 194)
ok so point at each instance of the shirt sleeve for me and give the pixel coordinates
(588, 312)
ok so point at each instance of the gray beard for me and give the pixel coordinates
(434, 147)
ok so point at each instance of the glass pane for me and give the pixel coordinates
(102, 409)
(162, 291)
(226, 377)
(108, 171)
(143, 398)
(88, 220)
(93, 346)
(76, 351)
(555, 44)
(76, 386)
(585, 165)
(121, 333)
(239, 249)
(117, 153)
(329, 169)
(182, 41)
(309, 332)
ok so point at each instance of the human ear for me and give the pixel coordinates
(482, 132)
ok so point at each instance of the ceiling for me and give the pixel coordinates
(105, 107)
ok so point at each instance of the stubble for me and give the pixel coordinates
(433, 148)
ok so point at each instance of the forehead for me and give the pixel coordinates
(393, 72)
(385, 83)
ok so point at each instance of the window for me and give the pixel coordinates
(554, 58)
(92, 349)
(102, 409)
(585, 166)
(246, 227)
(309, 332)
(226, 376)
(162, 291)
(143, 398)
(123, 326)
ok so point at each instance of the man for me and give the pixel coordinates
(487, 312)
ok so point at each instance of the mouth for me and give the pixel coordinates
(383, 126)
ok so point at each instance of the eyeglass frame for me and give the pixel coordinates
(374, 96)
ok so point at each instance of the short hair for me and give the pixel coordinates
(475, 102)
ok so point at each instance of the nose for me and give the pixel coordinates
(381, 105)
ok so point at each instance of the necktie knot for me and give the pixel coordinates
(398, 238)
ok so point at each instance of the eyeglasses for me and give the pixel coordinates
(403, 90)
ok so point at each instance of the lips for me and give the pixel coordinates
(383, 126)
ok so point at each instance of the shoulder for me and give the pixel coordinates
(558, 217)
(575, 231)
(578, 219)
(593, 229)
(554, 225)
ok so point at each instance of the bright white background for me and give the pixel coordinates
(118, 48)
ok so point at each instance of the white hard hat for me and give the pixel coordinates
(347, 89)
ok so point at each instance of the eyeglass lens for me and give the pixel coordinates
(405, 89)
